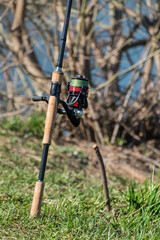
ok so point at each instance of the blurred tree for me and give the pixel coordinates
(114, 43)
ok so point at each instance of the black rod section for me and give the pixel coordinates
(64, 34)
(43, 162)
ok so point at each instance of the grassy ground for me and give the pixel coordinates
(73, 204)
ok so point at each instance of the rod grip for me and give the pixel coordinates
(50, 119)
(37, 200)
(51, 111)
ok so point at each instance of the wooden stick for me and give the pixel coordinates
(104, 177)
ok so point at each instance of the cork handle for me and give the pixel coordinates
(37, 200)
(50, 119)
(51, 111)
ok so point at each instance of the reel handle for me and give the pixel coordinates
(39, 98)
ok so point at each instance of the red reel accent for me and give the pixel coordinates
(75, 105)
(74, 92)
(75, 89)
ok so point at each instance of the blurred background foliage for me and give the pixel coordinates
(113, 43)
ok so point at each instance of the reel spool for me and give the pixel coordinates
(78, 92)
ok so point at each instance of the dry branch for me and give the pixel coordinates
(104, 178)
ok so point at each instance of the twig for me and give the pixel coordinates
(114, 77)
(133, 80)
(10, 114)
(133, 213)
(136, 137)
(104, 177)
(6, 10)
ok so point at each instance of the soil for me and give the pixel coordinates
(138, 162)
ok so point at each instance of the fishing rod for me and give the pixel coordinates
(72, 108)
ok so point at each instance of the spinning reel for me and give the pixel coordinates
(76, 99)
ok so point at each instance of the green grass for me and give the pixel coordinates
(73, 204)
(30, 125)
